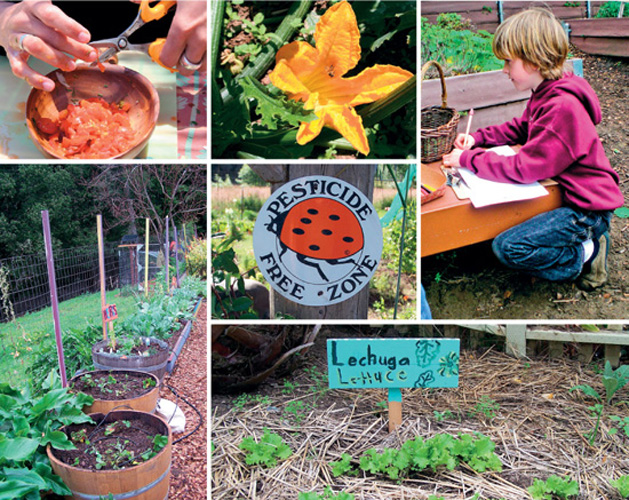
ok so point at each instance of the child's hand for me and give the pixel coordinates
(460, 142)
(453, 158)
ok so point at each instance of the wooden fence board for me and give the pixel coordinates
(601, 28)
(602, 46)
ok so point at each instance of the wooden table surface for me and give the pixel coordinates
(448, 223)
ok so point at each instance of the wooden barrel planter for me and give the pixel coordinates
(148, 480)
(106, 402)
(154, 363)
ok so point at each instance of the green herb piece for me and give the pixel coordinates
(267, 452)
(553, 486)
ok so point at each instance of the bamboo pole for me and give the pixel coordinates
(53, 296)
(176, 255)
(146, 260)
(101, 269)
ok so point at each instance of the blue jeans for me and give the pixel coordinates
(549, 245)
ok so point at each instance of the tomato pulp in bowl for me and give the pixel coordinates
(117, 85)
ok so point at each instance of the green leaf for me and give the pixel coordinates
(18, 449)
(587, 390)
(275, 110)
(10, 490)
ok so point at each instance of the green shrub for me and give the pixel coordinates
(611, 9)
(391, 243)
(196, 258)
(455, 47)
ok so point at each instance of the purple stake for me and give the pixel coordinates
(167, 253)
(176, 254)
(53, 295)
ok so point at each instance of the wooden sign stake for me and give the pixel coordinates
(101, 269)
(395, 409)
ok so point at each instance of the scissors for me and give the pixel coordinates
(146, 14)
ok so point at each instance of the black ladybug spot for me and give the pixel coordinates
(335, 217)
(313, 211)
(314, 248)
(298, 230)
(327, 232)
(306, 220)
(348, 239)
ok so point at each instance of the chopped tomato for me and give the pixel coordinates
(46, 125)
(100, 65)
(92, 129)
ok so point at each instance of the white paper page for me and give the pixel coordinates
(484, 192)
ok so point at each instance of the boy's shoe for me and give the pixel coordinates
(594, 272)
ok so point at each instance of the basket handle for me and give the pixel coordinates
(444, 93)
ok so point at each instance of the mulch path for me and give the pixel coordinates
(188, 479)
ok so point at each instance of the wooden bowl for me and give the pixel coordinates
(115, 84)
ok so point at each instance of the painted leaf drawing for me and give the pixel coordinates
(424, 379)
(426, 351)
(449, 365)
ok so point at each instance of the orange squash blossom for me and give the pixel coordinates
(314, 75)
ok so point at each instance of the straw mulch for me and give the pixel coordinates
(188, 473)
(538, 429)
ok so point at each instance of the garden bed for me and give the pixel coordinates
(524, 407)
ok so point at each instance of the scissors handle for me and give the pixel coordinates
(148, 13)
(155, 50)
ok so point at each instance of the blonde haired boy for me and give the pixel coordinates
(559, 138)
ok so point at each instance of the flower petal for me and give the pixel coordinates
(309, 130)
(301, 57)
(376, 82)
(284, 78)
(338, 39)
(346, 122)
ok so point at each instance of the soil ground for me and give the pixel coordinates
(188, 473)
(471, 283)
(538, 426)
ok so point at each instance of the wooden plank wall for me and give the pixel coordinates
(608, 36)
(484, 15)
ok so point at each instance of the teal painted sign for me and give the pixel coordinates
(393, 363)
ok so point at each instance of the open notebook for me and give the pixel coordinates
(483, 192)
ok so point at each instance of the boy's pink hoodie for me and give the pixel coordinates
(559, 140)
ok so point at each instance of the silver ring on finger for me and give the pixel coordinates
(20, 42)
(189, 65)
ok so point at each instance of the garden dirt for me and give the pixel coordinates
(471, 283)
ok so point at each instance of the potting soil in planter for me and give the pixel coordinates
(144, 354)
(113, 446)
(114, 385)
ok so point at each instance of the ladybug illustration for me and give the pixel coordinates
(319, 229)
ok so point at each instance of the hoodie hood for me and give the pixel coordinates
(576, 86)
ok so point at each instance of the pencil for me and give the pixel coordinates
(428, 188)
(469, 123)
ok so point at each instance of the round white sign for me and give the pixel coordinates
(317, 240)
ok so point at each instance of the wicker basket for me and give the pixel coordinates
(438, 123)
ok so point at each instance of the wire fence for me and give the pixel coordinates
(24, 285)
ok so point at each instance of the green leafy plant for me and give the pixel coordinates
(196, 258)
(440, 451)
(343, 466)
(613, 381)
(27, 425)
(622, 423)
(458, 49)
(622, 485)
(553, 487)
(244, 399)
(225, 303)
(267, 451)
(486, 407)
(440, 416)
(611, 9)
(328, 494)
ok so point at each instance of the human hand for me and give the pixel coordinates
(453, 159)
(39, 29)
(464, 141)
(187, 38)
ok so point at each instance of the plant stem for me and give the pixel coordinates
(400, 97)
